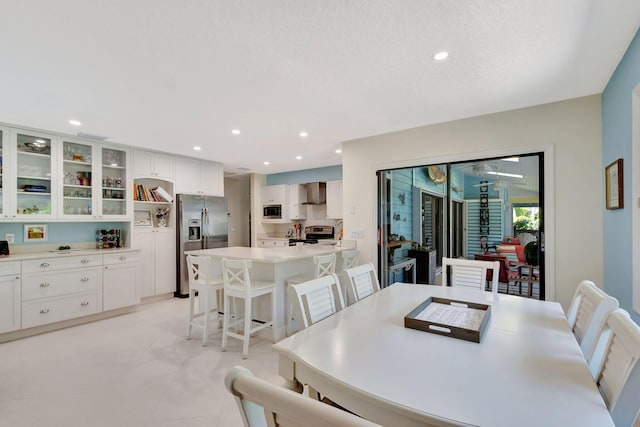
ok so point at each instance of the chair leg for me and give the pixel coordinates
(225, 323)
(191, 303)
(247, 328)
(207, 312)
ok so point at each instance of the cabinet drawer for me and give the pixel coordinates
(119, 258)
(61, 262)
(49, 310)
(9, 267)
(42, 285)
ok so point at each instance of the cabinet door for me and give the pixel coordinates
(144, 240)
(79, 182)
(33, 186)
(10, 303)
(142, 164)
(187, 176)
(4, 171)
(297, 196)
(334, 199)
(212, 179)
(165, 261)
(163, 165)
(119, 286)
(116, 198)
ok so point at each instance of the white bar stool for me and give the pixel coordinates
(238, 284)
(202, 281)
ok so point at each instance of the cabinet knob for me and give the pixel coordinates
(44, 265)
(45, 284)
(84, 261)
(44, 311)
(84, 279)
(84, 303)
(123, 257)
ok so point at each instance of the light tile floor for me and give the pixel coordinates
(131, 370)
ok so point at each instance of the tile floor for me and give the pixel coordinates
(131, 370)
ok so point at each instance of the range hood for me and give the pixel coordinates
(316, 193)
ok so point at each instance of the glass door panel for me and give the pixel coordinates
(77, 194)
(33, 175)
(2, 203)
(114, 182)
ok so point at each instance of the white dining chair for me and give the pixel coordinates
(615, 368)
(587, 313)
(316, 299)
(208, 287)
(350, 258)
(323, 265)
(470, 273)
(238, 284)
(262, 404)
(360, 282)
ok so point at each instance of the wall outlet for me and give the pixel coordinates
(357, 234)
(10, 238)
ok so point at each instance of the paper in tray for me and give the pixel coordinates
(458, 319)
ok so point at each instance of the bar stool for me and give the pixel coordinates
(324, 265)
(238, 284)
(202, 281)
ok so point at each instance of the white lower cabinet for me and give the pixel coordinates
(119, 284)
(157, 265)
(54, 309)
(10, 301)
(273, 243)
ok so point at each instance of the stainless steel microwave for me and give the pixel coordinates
(273, 211)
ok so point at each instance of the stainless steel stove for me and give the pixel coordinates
(313, 233)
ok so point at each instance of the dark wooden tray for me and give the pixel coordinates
(410, 320)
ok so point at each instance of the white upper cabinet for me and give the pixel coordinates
(195, 176)
(297, 196)
(79, 181)
(334, 199)
(116, 200)
(148, 164)
(274, 194)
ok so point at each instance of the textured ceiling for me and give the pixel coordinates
(168, 75)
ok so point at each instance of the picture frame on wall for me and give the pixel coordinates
(614, 186)
(36, 233)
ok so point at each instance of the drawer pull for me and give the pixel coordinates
(122, 258)
(44, 265)
(84, 261)
(84, 279)
(44, 311)
(45, 284)
(84, 303)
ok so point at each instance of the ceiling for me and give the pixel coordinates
(169, 75)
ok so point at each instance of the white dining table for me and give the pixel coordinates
(527, 370)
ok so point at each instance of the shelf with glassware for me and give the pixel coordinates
(153, 199)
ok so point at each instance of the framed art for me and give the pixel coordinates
(36, 233)
(613, 175)
(142, 217)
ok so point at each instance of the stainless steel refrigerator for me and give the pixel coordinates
(201, 224)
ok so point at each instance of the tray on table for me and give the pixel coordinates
(459, 319)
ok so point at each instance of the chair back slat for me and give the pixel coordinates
(316, 299)
(350, 258)
(235, 274)
(470, 273)
(324, 265)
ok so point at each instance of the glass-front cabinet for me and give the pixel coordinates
(4, 135)
(78, 175)
(34, 194)
(115, 196)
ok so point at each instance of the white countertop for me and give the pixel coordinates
(268, 255)
(54, 253)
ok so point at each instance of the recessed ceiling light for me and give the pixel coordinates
(303, 134)
(197, 148)
(267, 163)
(75, 122)
(338, 151)
(298, 157)
(236, 131)
(441, 56)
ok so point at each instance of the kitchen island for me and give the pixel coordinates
(276, 265)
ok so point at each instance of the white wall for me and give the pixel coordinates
(570, 131)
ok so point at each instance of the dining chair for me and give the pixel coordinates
(262, 403)
(587, 313)
(470, 273)
(238, 284)
(360, 282)
(350, 258)
(316, 299)
(208, 287)
(615, 368)
(323, 265)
